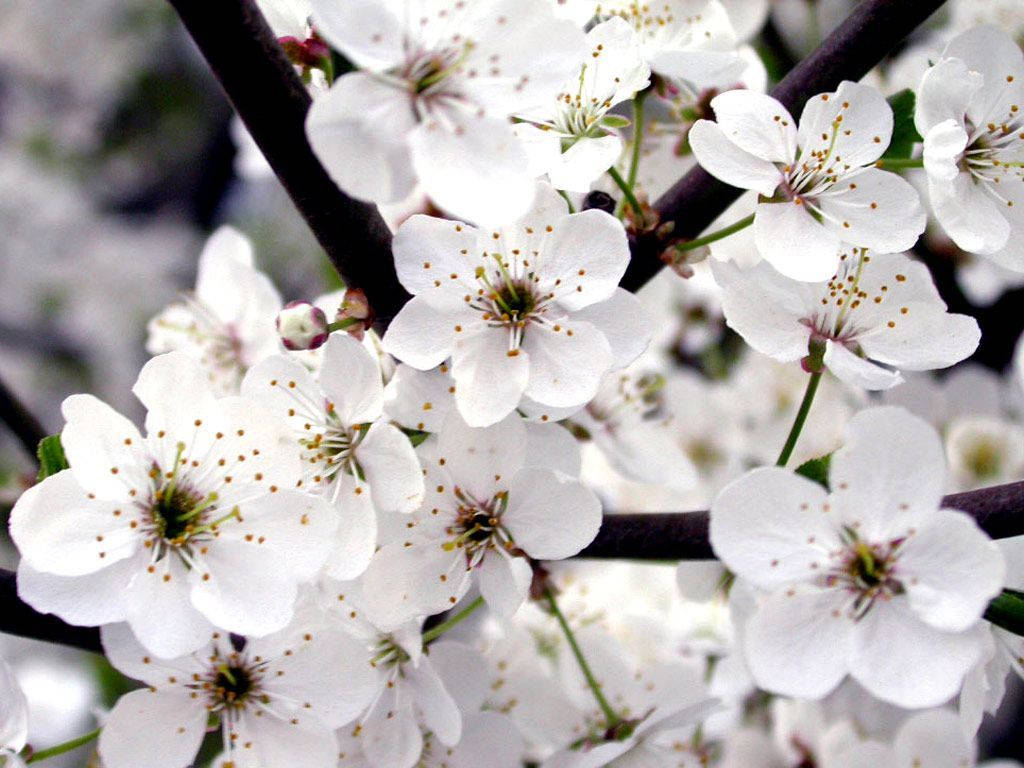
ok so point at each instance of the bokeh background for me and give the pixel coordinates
(118, 156)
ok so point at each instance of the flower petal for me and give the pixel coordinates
(156, 728)
(551, 518)
(728, 162)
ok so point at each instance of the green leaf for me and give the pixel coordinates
(904, 133)
(51, 456)
(615, 121)
(1007, 611)
(816, 470)
(416, 436)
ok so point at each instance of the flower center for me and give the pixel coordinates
(172, 512)
(477, 526)
(232, 685)
(984, 459)
(867, 571)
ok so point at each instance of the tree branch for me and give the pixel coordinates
(874, 29)
(999, 510)
(21, 422)
(271, 100)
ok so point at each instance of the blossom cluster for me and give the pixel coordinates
(332, 543)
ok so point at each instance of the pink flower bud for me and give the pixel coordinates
(355, 305)
(302, 326)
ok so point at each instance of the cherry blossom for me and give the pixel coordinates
(571, 138)
(198, 524)
(968, 111)
(349, 454)
(276, 699)
(13, 719)
(432, 95)
(530, 309)
(875, 316)
(818, 184)
(873, 580)
(227, 324)
(489, 507)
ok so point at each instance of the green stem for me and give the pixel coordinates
(720, 234)
(568, 202)
(897, 163)
(611, 718)
(627, 191)
(638, 137)
(801, 417)
(60, 749)
(435, 632)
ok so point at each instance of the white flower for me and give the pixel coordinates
(984, 450)
(287, 18)
(489, 507)
(692, 40)
(198, 524)
(13, 719)
(818, 185)
(531, 309)
(433, 95)
(873, 579)
(349, 454)
(302, 325)
(277, 699)
(573, 144)
(228, 323)
(875, 316)
(968, 111)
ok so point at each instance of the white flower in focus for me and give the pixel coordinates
(531, 309)
(818, 184)
(431, 99)
(13, 719)
(873, 580)
(969, 113)
(198, 524)
(276, 699)
(227, 324)
(490, 507)
(349, 454)
(874, 316)
(692, 40)
(574, 147)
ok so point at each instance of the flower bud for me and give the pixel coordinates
(302, 326)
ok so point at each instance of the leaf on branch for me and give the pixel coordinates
(615, 121)
(816, 470)
(1007, 611)
(416, 436)
(904, 133)
(51, 457)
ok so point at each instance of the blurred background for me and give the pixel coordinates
(119, 155)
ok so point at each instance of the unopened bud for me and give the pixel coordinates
(302, 326)
(355, 305)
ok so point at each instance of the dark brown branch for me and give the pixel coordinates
(272, 102)
(874, 29)
(999, 511)
(20, 421)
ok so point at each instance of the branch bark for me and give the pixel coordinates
(270, 98)
(874, 29)
(20, 421)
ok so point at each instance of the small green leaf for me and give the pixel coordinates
(816, 470)
(51, 456)
(1007, 611)
(416, 436)
(904, 133)
(615, 121)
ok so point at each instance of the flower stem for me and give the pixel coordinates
(801, 417)
(568, 201)
(896, 163)
(720, 234)
(60, 749)
(611, 718)
(638, 137)
(435, 632)
(627, 191)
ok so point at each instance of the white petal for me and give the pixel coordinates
(278, 743)
(943, 148)
(625, 322)
(799, 641)
(757, 123)
(883, 212)
(367, 32)
(464, 671)
(94, 441)
(489, 376)
(13, 711)
(429, 249)
(124, 651)
(161, 613)
(359, 130)
(391, 737)
(863, 130)
(351, 378)
(548, 517)
(771, 526)
(391, 468)
(87, 600)
(932, 739)
(971, 216)
(924, 338)
(994, 54)
(901, 660)
(419, 399)
(356, 538)
(482, 461)
(552, 446)
(950, 571)
(158, 729)
(856, 371)
(504, 582)
(945, 92)
(421, 335)
(729, 163)
(489, 739)
(173, 388)
(586, 255)
(789, 239)
(435, 706)
(403, 582)
(576, 169)
(566, 365)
